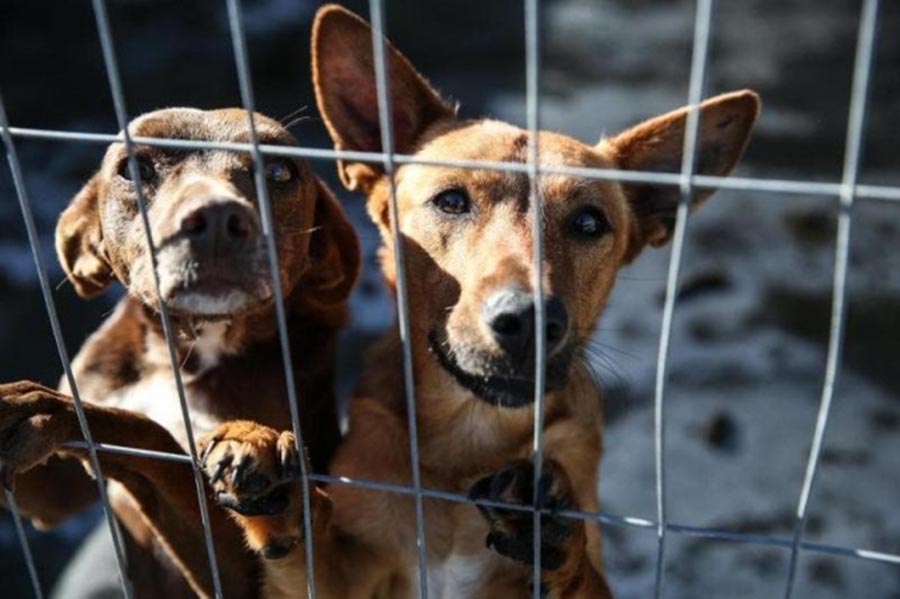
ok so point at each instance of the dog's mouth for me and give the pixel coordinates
(216, 297)
(498, 383)
(224, 291)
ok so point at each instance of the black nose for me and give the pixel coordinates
(220, 228)
(510, 315)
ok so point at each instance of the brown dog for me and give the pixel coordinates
(468, 243)
(214, 277)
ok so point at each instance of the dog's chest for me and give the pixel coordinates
(457, 576)
(155, 394)
(157, 397)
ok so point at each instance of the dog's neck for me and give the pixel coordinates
(461, 435)
(200, 343)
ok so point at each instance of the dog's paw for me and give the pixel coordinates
(253, 472)
(34, 421)
(250, 467)
(512, 531)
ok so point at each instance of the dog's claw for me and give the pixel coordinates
(511, 531)
(238, 475)
(246, 463)
(289, 465)
(222, 465)
(204, 455)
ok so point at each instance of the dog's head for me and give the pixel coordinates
(202, 210)
(467, 234)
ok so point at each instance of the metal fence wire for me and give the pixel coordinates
(845, 192)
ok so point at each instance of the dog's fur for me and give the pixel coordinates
(474, 397)
(474, 414)
(214, 277)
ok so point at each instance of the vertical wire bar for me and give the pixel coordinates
(855, 130)
(385, 118)
(533, 110)
(115, 85)
(38, 255)
(702, 23)
(23, 542)
(238, 39)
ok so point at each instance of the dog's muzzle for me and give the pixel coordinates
(214, 263)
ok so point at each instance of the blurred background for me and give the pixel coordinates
(751, 324)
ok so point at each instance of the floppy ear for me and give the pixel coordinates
(79, 242)
(344, 78)
(658, 145)
(334, 253)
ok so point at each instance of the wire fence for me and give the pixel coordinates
(846, 191)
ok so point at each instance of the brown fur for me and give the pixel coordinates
(365, 542)
(100, 238)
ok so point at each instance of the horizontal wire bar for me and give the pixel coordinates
(133, 451)
(771, 185)
(842, 190)
(615, 520)
(601, 517)
(782, 186)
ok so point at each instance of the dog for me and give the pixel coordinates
(214, 277)
(468, 244)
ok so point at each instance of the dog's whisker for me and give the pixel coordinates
(292, 114)
(589, 377)
(297, 121)
(600, 359)
(187, 356)
(627, 354)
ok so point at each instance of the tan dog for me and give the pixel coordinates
(469, 246)
(214, 277)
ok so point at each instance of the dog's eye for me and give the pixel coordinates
(146, 169)
(280, 171)
(589, 222)
(453, 201)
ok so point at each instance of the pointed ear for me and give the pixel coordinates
(334, 253)
(79, 242)
(343, 69)
(725, 123)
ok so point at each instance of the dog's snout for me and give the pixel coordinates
(509, 314)
(220, 226)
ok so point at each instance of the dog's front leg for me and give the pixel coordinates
(37, 422)
(253, 472)
(47, 510)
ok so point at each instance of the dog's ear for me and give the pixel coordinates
(334, 252)
(79, 242)
(658, 145)
(343, 69)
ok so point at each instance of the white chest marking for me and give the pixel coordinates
(210, 344)
(456, 577)
(156, 395)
